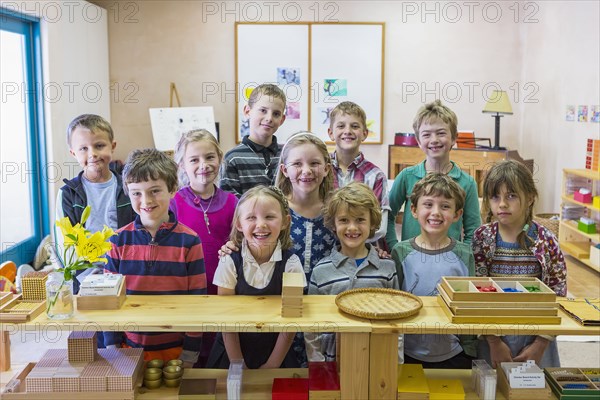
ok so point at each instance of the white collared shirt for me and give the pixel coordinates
(256, 275)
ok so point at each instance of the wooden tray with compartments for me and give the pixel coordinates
(520, 394)
(5, 297)
(587, 378)
(18, 310)
(459, 288)
(19, 390)
(498, 308)
(485, 317)
(102, 302)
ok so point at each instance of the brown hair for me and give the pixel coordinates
(350, 108)
(92, 122)
(298, 139)
(186, 138)
(263, 191)
(266, 89)
(438, 184)
(436, 111)
(355, 197)
(518, 179)
(150, 164)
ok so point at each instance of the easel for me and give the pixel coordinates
(174, 90)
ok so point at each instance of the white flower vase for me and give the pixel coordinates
(59, 297)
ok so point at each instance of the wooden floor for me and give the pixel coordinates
(582, 281)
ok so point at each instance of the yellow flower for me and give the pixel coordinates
(90, 247)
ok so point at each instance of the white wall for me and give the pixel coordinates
(435, 48)
(562, 57)
(75, 74)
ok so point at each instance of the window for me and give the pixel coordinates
(23, 198)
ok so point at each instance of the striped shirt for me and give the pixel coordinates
(170, 263)
(248, 165)
(361, 170)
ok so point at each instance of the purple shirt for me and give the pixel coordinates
(219, 209)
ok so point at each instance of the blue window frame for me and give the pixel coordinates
(24, 197)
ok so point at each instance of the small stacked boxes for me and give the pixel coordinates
(291, 294)
(40, 377)
(112, 370)
(323, 381)
(480, 300)
(592, 155)
(82, 346)
(33, 285)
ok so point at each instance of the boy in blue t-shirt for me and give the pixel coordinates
(437, 202)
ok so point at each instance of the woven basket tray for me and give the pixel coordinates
(548, 223)
(375, 303)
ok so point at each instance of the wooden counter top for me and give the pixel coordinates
(431, 319)
(207, 314)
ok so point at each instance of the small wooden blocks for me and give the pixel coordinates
(291, 294)
(33, 285)
(82, 346)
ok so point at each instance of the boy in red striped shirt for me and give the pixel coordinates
(156, 253)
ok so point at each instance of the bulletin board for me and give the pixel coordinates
(264, 53)
(335, 62)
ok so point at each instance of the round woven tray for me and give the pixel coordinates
(375, 303)
(547, 222)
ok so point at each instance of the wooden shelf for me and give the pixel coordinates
(579, 250)
(572, 225)
(570, 199)
(585, 173)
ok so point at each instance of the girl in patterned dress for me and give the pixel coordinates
(305, 178)
(516, 246)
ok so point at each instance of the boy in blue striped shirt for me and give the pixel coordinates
(354, 214)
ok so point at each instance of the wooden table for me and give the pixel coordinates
(368, 354)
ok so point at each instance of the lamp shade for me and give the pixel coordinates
(498, 103)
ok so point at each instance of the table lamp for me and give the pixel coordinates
(498, 104)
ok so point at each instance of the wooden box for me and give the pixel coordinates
(102, 302)
(465, 289)
(557, 378)
(520, 394)
(499, 316)
(5, 297)
(19, 310)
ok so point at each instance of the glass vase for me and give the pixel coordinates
(59, 297)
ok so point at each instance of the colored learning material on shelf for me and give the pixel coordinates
(592, 155)
(412, 383)
(585, 311)
(290, 389)
(445, 389)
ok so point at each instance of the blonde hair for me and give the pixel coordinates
(350, 108)
(436, 111)
(355, 197)
(438, 184)
(92, 122)
(298, 139)
(266, 89)
(186, 138)
(517, 179)
(149, 164)
(256, 192)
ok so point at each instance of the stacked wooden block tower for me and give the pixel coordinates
(291, 295)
